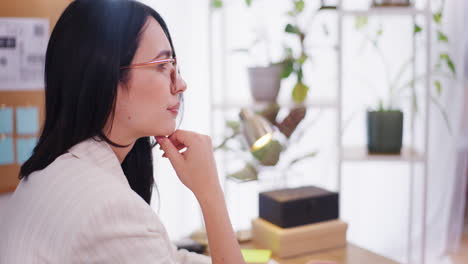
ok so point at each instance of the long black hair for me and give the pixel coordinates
(90, 42)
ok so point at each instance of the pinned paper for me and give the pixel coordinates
(23, 44)
(6, 120)
(27, 120)
(24, 148)
(256, 255)
(6, 151)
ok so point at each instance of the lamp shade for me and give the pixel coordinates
(257, 130)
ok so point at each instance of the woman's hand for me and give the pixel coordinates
(195, 167)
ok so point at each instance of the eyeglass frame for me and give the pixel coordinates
(151, 63)
(156, 62)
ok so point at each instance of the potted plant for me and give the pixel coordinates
(385, 124)
(265, 80)
(384, 131)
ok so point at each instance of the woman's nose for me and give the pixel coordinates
(180, 85)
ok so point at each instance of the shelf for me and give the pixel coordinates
(314, 102)
(388, 11)
(355, 153)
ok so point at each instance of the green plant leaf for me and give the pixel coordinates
(292, 29)
(417, 29)
(248, 173)
(451, 66)
(217, 3)
(445, 57)
(306, 156)
(361, 22)
(248, 2)
(299, 92)
(302, 59)
(299, 73)
(438, 87)
(299, 6)
(437, 17)
(234, 125)
(288, 68)
(442, 37)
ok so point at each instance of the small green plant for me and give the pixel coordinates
(444, 68)
(293, 62)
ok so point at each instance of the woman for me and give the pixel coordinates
(111, 83)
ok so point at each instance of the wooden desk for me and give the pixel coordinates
(350, 254)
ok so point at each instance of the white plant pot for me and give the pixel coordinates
(265, 82)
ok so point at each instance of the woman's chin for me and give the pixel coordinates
(164, 132)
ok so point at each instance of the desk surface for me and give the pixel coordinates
(350, 254)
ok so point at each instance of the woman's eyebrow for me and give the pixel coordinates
(164, 53)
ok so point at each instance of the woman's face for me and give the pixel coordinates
(143, 102)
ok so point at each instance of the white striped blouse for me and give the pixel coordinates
(81, 209)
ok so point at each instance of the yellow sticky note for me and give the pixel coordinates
(256, 255)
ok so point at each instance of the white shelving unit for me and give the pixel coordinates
(408, 153)
(356, 153)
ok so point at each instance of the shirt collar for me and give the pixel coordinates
(98, 152)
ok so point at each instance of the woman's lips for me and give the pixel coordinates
(174, 109)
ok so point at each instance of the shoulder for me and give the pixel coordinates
(93, 194)
(86, 185)
(77, 188)
(70, 172)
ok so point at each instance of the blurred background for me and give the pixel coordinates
(343, 69)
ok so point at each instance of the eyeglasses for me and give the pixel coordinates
(173, 61)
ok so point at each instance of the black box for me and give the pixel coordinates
(298, 206)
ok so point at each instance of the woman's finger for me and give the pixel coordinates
(183, 137)
(171, 152)
(177, 144)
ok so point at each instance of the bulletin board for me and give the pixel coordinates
(21, 116)
(22, 108)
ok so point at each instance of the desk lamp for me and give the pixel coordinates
(258, 133)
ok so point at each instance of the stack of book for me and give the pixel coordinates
(298, 221)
